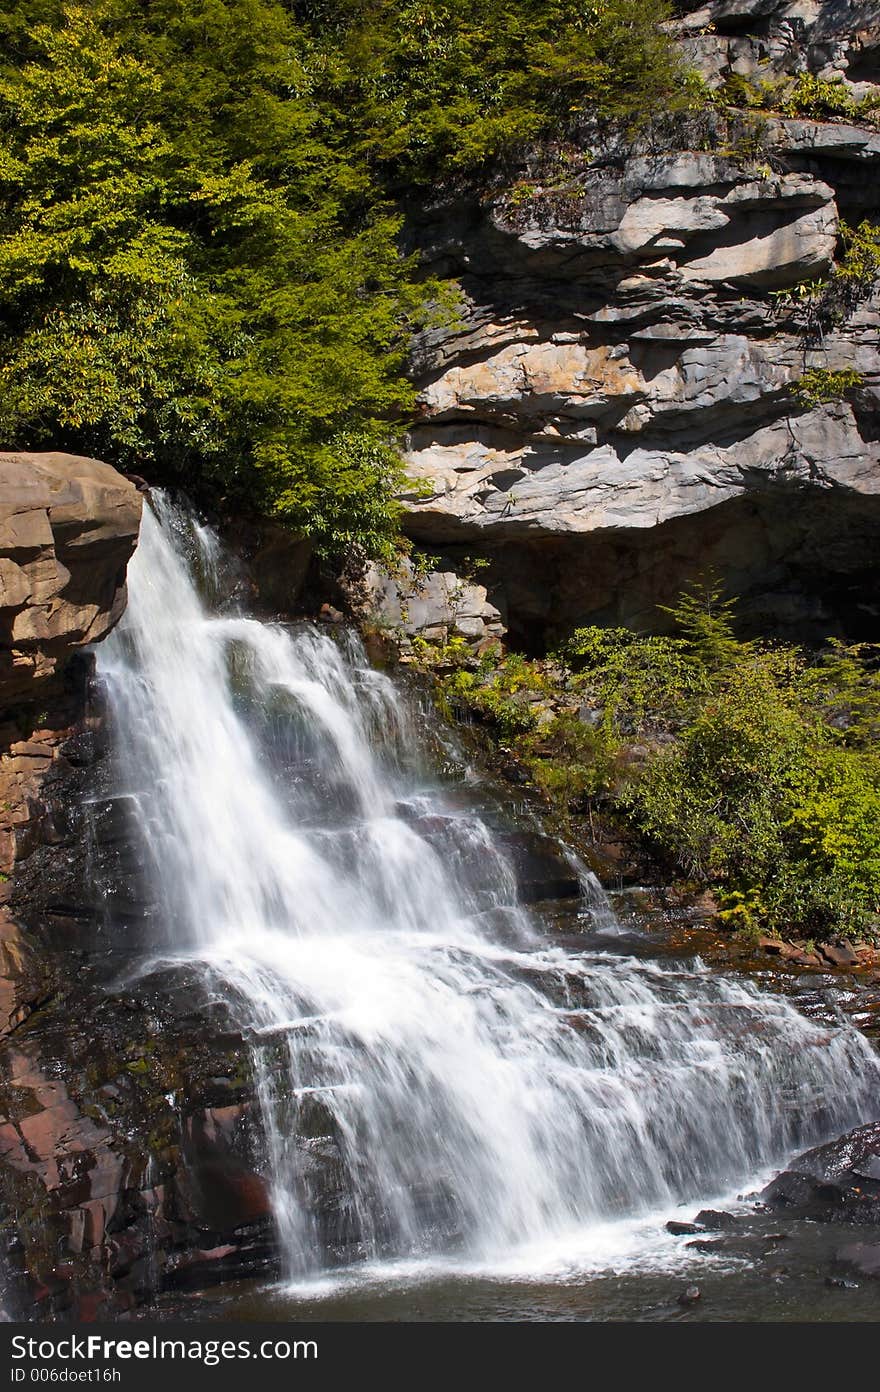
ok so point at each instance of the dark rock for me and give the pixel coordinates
(838, 954)
(837, 1182)
(541, 870)
(681, 1229)
(714, 1220)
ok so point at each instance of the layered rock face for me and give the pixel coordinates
(615, 412)
(67, 529)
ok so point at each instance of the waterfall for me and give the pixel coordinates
(465, 1087)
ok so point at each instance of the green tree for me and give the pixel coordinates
(192, 282)
(445, 85)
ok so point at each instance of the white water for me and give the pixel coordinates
(426, 1087)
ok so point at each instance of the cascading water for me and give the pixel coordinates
(462, 1087)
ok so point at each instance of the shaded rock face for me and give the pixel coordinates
(615, 413)
(131, 1152)
(67, 529)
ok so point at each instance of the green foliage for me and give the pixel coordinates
(815, 98)
(713, 797)
(860, 264)
(750, 768)
(626, 677)
(704, 619)
(820, 99)
(771, 791)
(743, 913)
(503, 693)
(200, 275)
(193, 282)
(822, 384)
(818, 306)
(443, 87)
(572, 762)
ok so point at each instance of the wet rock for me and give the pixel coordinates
(131, 1140)
(539, 866)
(837, 1182)
(838, 954)
(681, 1229)
(715, 1220)
(327, 614)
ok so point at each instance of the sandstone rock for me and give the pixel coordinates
(67, 528)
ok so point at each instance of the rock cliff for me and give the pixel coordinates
(617, 410)
(67, 529)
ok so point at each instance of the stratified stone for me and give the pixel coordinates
(67, 529)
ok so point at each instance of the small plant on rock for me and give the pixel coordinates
(820, 385)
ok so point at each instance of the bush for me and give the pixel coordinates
(444, 87)
(746, 767)
(821, 384)
(815, 98)
(771, 797)
(571, 761)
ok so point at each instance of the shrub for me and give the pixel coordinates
(748, 767)
(822, 384)
(193, 282)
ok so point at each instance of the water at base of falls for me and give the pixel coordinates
(435, 1076)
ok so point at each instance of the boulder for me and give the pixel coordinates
(837, 1182)
(67, 529)
(838, 954)
(436, 604)
(863, 1258)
